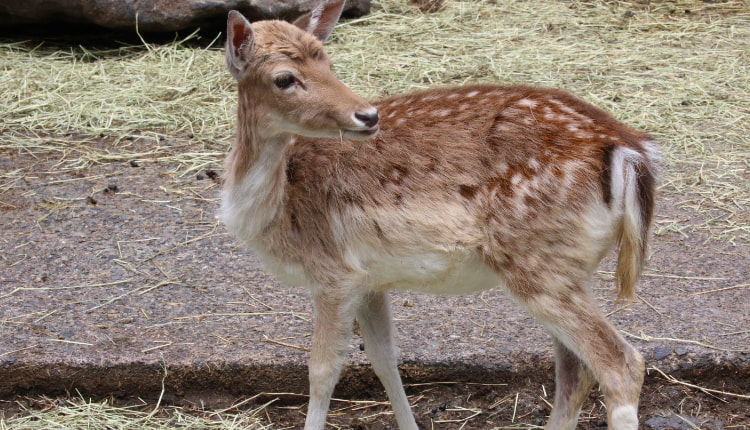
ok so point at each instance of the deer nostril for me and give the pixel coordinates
(369, 118)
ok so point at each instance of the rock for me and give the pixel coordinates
(661, 353)
(156, 15)
(683, 422)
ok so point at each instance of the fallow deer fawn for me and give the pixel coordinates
(443, 191)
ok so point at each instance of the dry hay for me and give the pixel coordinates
(45, 413)
(64, 101)
(170, 88)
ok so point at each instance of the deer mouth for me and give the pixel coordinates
(359, 134)
(372, 130)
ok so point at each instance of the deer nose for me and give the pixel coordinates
(369, 118)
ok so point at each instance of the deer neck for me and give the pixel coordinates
(255, 181)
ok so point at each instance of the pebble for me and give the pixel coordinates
(661, 353)
(683, 422)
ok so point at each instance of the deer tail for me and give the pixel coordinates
(634, 176)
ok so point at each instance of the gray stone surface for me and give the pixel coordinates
(683, 422)
(128, 273)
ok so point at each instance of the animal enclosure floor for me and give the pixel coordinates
(116, 278)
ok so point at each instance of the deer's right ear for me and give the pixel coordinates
(320, 21)
(239, 44)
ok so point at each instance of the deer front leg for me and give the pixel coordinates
(374, 316)
(573, 383)
(333, 318)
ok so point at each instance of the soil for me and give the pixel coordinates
(518, 405)
(117, 271)
(480, 406)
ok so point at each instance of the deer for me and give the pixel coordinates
(447, 190)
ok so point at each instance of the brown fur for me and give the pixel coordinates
(411, 160)
(522, 186)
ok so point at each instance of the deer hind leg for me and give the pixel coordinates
(574, 320)
(573, 383)
(333, 319)
(374, 316)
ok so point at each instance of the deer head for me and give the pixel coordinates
(285, 79)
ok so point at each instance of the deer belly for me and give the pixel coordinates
(287, 272)
(433, 272)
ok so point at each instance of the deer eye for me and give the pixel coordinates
(284, 81)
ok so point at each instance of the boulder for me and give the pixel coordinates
(156, 15)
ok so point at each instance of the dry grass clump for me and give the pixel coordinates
(678, 69)
(170, 88)
(79, 413)
(65, 101)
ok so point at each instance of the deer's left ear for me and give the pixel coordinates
(239, 44)
(320, 21)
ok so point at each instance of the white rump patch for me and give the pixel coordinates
(652, 152)
(623, 175)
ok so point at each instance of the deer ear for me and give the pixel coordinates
(320, 21)
(239, 44)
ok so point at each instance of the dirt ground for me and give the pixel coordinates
(487, 406)
(116, 272)
(520, 404)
